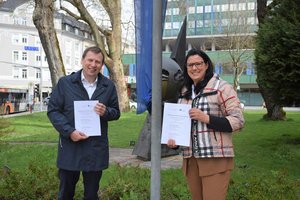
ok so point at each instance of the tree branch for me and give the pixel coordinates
(70, 13)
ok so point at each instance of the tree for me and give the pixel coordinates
(106, 38)
(239, 39)
(277, 57)
(43, 20)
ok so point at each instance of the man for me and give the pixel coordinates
(76, 151)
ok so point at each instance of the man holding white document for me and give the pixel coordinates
(80, 107)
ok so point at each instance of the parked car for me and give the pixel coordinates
(46, 100)
(132, 105)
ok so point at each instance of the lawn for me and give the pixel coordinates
(37, 128)
(266, 164)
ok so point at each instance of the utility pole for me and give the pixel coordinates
(156, 115)
(41, 77)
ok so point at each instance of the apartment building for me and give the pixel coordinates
(22, 59)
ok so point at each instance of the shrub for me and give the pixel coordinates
(34, 182)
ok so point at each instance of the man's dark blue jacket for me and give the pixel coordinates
(91, 154)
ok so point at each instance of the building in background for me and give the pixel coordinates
(225, 29)
(22, 58)
(211, 26)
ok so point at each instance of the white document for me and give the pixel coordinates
(86, 119)
(176, 124)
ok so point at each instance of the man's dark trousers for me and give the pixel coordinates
(68, 180)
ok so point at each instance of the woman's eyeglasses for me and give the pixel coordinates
(196, 64)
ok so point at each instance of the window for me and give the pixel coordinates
(168, 11)
(16, 72)
(23, 21)
(207, 23)
(16, 39)
(167, 25)
(207, 9)
(38, 58)
(199, 23)
(251, 20)
(24, 39)
(68, 47)
(191, 24)
(225, 7)
(38, 74)
(77, 61)
(175, 11)
(242, 6)
(251, 6)
(192, 10)
(233, 7)
(217, 8)
(24, 56)
(200, 9)
(76, 46)
(15, 56)
(24, 73)
(176, 25)
(224, 22)
(68, 60)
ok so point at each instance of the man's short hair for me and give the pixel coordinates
(93, 49)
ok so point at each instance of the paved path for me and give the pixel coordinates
(124, 157)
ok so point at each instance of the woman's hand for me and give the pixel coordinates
(198, 115)
(171, 144)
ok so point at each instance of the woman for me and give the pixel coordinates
(215, 114)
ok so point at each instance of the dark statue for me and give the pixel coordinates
(172, 80)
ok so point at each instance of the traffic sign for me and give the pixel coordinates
(31, 48)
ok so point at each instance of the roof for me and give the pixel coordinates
(11, 5)
(72, 21)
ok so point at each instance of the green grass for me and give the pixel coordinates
(37, 128)
(263, 146)
(266, 164)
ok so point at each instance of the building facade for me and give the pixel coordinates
(22, 59)
(225, 29)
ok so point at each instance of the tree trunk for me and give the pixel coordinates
(274, 111)
(112, 56)
(43, 20)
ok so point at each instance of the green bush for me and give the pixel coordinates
(133, 183)
(34, 182)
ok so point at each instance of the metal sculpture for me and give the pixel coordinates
(172, 81)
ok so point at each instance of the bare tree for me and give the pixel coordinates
(239, 39)
(109, 39)
(43, 20)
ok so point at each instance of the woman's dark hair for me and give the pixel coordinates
(188, 82)
(93, 49)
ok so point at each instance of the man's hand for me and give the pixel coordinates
(100, 109)
(77, 136)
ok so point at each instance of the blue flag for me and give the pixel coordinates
(143, 33)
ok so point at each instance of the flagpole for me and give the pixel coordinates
(156, 114)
